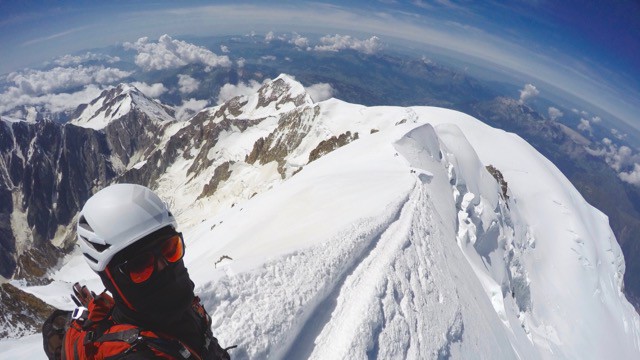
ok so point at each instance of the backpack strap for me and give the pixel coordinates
(133, 337)
(130, 336)
(174, 348)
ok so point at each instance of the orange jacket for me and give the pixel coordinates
(99, 337)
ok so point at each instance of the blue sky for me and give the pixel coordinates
(589, 49)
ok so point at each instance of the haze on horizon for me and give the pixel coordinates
(589, 51)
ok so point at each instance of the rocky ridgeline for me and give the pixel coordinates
(48, 171)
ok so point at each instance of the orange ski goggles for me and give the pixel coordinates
(141, 267)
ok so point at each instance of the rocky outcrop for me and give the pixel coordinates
(221, 174)
(20, 313)
(327, 146)
(292, 128)
(48, 171)
(504, 187)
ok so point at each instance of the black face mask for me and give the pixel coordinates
(157, 302)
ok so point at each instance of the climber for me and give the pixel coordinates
(128, 237)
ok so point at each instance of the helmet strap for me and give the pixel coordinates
(117, 288)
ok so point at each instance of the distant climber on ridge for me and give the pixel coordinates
(128, 237)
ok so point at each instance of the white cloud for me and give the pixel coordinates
(241, 62)
(187, 84)
(299, 41)
(152, 91)
(190, 108)
(67, 60)
(555, 113)
(63, 102)
(585, 126)
(54, 102)
(320, 91)
(618, 134)
(229, 91)
(36, 82)
(427, 61)
(296, 39)
(268, 58)
(596, 119)
(46, 88)
(340, 42)
(224, 49)
(269, 37)
(168, 53)
(621, 159)
(632, 176)
(528, 92)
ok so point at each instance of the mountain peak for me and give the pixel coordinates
(124, 88)
(115, 103)
(274, 97)
(282, 90)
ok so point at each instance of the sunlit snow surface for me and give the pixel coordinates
(399, 245)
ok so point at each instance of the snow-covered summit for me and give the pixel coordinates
(274, 97)
(116, 103)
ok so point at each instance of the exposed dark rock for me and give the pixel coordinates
(279, 91)
(234, 106)
(501, 181)
(258, 148)
(293, 126)
(33, 264)
(47, 173)
(133, 135)
(327, 146)
(221, 173)
(21, 313)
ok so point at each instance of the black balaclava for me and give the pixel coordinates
(160, 301)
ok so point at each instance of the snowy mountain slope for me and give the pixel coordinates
(396, 245)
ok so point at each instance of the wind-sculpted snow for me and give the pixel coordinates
(394, 285)
(398, 244)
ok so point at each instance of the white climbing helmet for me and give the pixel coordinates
(116, 217)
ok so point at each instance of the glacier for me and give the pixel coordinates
(398, 245)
